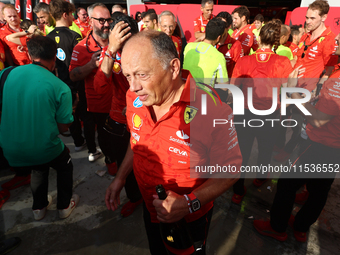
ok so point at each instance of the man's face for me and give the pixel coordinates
(207, 10)
(148, 23)
(168, 25)
(237, 21)
(42, 17)
(11, 17)
(70, 19)
(301, 32)
(314, 20)
(102, 30)
(147, 79)
(82, 14)
(337, 39)
(258, 24)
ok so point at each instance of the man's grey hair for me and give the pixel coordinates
(166, 13)
(118, 7)
(163, 47)
(204, 2)
(91, 8)
(41, 7)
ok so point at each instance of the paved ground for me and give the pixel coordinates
(92, 229)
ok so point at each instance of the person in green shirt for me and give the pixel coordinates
(283, 50)
(206, 64)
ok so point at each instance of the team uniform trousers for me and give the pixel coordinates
(318, 187)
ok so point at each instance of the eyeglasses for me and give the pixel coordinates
(102, 20)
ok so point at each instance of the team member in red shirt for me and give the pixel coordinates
(296, 32)
(315, 54)
(263, 71)
(322, 151)
(242, 31)
(169, 140)
(109, 77)
(15, 54)
(2, 20)
(84, 64)
(229, 47)
(82, 22)
(167, 24)
(207, 7)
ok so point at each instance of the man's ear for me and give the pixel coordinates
(324, 17)
(175, 66)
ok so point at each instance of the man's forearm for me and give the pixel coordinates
(107, 66)
(81, 72)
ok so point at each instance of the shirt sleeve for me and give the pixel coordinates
(77, 58)
(329, 58)
(64, 108)
(237, 51)
(246, 41)
(329, 102)
(197, 26)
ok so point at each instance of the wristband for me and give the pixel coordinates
(189, 202)
(108, 54)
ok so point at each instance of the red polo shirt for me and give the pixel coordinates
(246, 37)
(178, 44)
(84, 27)
(329, 103)
(168, 151)
(18, 52)
(232, 51)
(200, 23)
(270, 71)
(318, 55)
(294, 48)
(117, 85)
(81, 55)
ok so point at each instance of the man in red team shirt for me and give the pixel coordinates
(15, 54)
(207, 7)
(110, 77)
(321, 151)
(167, 24)
(169, 141)
(2, 20)
(84, 64)
(296, 32)
(229, 47)
(242, 31)
(82, 22)
(315, 54)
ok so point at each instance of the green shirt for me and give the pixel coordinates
(34, 101)
(284, 51)
(205, 63)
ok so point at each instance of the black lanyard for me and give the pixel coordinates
(97, 44)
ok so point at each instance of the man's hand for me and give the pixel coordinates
(31, 29)
(94, 62)
(112, 196)
(292, 78)
(119, 34)
(172, 209)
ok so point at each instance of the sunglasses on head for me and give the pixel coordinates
(102, 20)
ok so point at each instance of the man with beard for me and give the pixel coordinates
(243, 32)
(84, 65)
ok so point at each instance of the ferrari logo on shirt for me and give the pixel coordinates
(189, 114)
(300, 45)
(229, 46)
(176, 45)
(321, 39)
(202, 29)
(81, 29)
(57, 39)
(136, 121)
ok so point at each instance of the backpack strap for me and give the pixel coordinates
(2, 83)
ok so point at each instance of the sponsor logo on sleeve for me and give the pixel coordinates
(182, 135)
(178, 151)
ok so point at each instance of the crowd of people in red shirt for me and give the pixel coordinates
(261, 56)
